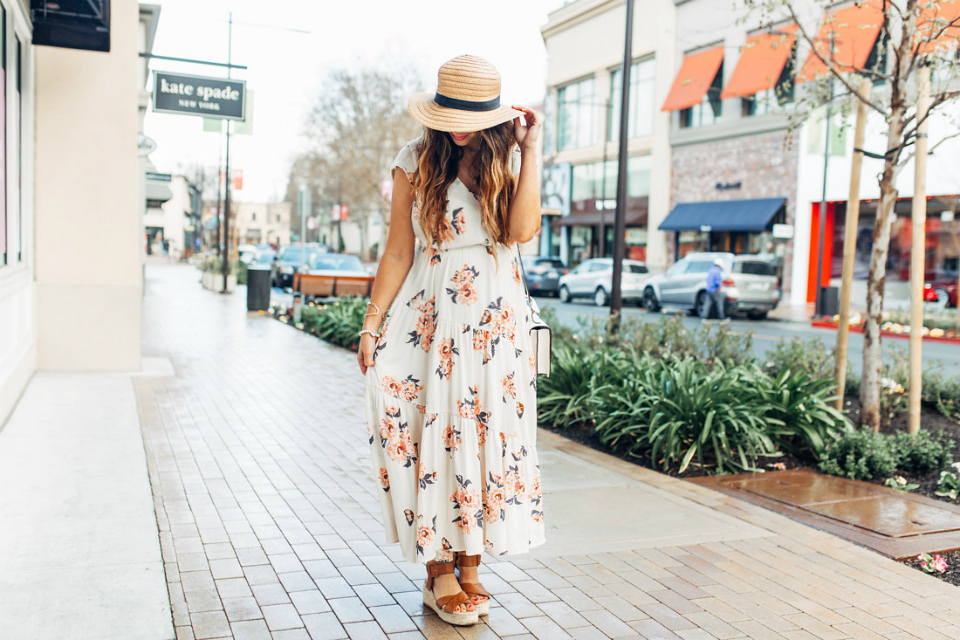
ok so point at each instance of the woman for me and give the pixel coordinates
(451, 401)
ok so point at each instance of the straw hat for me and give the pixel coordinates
(467, 98)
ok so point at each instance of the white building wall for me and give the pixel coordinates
(18, 317)
(88, 268)
(584, 39)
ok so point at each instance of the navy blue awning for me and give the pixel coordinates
(726, 215)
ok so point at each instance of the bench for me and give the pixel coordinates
(332, 286)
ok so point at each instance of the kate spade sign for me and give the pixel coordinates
(199, 96)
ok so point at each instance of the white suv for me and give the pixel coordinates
(594, 279)
(749, 285)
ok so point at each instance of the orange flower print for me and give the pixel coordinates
(514, 486)
(459, 221)
(388, 430)
(427, 323)
(425, 534)
(481, 434)
(446, 351)
(392, 386)
(384, 479)
(493, 503)
(468, 407)
(433, 255)
(516, 271)
(463, 289)
(425, 478)
(509, 387)
(411, 389)
(480, 338)
(451, 439)
(408, 516)
(466, 499)
(537, 516)
(519, 409)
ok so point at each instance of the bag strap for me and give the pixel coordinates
(523, 273)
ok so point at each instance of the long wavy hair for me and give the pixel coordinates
(439, 161)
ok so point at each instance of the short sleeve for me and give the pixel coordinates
(406, 160)
(515, 162)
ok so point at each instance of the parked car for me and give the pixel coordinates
(247, 253)
(594, 279)
(749, 285)
(942, 293)
(543, 274)
(288, 261)
(336, 264)
(263, 257)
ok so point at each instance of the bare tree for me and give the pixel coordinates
(358, 123)
(912, 33)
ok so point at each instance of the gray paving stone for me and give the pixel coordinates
(238, 609)
(350, 610)
(281, 616)
(250, 630)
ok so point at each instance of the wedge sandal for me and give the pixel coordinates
(474, 589)
(446, 606)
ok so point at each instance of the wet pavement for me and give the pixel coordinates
(269, 519)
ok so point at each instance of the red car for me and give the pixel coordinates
(942, 292)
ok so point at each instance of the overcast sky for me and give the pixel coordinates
(285, 66)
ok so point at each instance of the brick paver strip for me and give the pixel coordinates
(269, 521)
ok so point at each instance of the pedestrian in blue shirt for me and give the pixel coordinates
(714, 282)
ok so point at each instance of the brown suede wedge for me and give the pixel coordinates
(474, 589)
(446, 606)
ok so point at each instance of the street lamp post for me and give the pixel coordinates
(819, 300)
(620, 224)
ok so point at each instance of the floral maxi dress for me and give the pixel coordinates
(451, 397)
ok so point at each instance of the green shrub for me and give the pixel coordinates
(338, 323)
(812, 359)
(802, 406)
(860, 454)
(940, 393)
(562, 397)
(949, 485)
(923, 452)
(674, 412)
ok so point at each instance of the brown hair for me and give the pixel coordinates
(437, 168)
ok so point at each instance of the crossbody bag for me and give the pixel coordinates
(541, 337)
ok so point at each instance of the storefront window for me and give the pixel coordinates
(575, 119)
(641, 101)
(598, 180)
(942, 241)
(549, 118)
(18, 118)
(710, 107)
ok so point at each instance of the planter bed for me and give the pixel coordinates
(949, 336)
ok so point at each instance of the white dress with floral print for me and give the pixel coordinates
(451, 398)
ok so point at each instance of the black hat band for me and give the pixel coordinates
(467, 105)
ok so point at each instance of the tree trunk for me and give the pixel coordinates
(872, 354)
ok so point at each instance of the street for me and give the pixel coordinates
(767, 333)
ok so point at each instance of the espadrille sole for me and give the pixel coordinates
(458, 618)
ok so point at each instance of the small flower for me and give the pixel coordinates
(779, 466)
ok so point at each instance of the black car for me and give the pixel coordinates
(288, 262)
(543, 274)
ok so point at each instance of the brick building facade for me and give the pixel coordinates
(738, 168)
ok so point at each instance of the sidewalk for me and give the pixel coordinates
(269, 521)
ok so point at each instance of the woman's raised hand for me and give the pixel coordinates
(527, 131)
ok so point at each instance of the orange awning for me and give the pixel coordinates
(761, 62)
(937, 26)
(854, 30)
(694, 79)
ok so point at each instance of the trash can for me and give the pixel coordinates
(258, 288)
(830, 303)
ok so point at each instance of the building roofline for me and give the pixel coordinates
(574, 13)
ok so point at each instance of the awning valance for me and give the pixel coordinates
(761, 62)
(694, 79)
(728, 215)
(854, 32)
(158, 191)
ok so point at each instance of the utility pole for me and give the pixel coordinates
(620, 224)
(918, 249)
(226, 177)
(850, 245)
(818, 304)
(602, 208)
